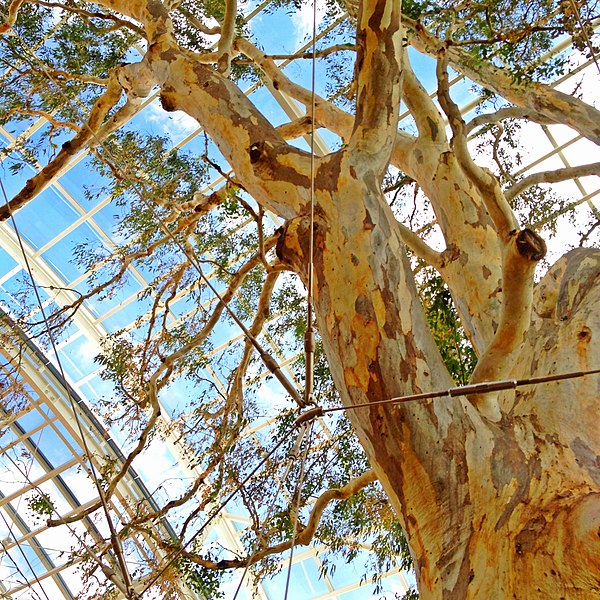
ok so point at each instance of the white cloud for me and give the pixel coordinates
(303, 20)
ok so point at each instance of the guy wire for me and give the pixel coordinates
(221, 506)
(298, 495)
(13, 536)
(309, 336)
(106, 570)
(293, 456)
(484, 387)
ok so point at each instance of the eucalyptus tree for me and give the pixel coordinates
(497, 493)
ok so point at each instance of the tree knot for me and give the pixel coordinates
(293, 242)
(530, 245)
(257, 151)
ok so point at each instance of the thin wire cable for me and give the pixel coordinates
(292, 457)
(36, 444)
(92, 470)
(296, 509)
(107, 570)
(33, 454)
(309, 336)
(464, 390)
(239, 587)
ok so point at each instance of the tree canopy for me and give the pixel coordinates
(419, 236)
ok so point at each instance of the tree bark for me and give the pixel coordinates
(503, 508)
(502, 504)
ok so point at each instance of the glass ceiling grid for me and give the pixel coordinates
(53, 474)
(291, 109)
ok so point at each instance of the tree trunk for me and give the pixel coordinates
(492, 508)
(506, 509)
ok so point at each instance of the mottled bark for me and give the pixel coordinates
(500, 498)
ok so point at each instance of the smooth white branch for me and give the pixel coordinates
(551, 177)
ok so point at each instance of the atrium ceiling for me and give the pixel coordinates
(52, 402)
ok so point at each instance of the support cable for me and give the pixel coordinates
(293, 456)
(36, 443)
(24, 556)
(309, 336)
(114, 540)
(298, 493)
(217, 511)
(485, 387)
(106, 569)
(34, 457)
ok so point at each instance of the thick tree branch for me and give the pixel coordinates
(199, 25)
(495, 202)
(322, 53)
(94, 15)
(538, 97)
(521, 252)
(226, 39)
(379, 54)
(513, 112)
(551, 177)
(419, 247)
(428, 119)
(521, 255)
(11, 17)
(296, 128)
(251, 145)
(258, 155)
(93, 132)
(59, 75)
(327, 115)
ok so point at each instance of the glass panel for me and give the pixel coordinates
(44, 217)
(84, 183)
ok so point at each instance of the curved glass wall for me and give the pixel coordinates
(44, 460)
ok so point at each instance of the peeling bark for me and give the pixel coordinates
(499, 496)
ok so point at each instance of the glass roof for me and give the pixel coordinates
(49, 400)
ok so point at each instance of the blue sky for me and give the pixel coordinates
(61, 218)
